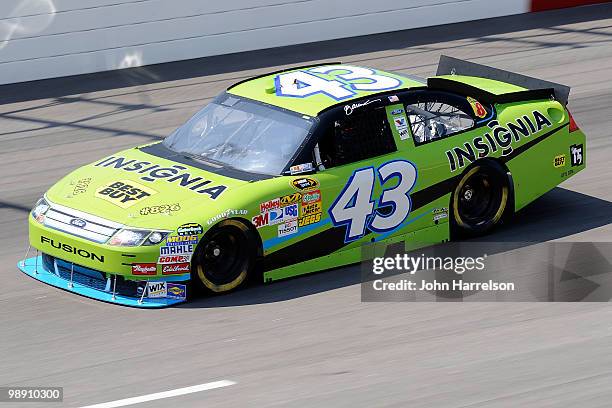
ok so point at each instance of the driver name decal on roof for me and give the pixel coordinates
(346, 82)
(172, 174)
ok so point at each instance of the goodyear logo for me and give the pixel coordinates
(559, 161)
(124, 193)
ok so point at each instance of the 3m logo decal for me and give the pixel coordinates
(124, 193)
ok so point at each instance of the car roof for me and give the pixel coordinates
(265, 88)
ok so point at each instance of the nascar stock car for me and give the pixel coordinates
(294, 171)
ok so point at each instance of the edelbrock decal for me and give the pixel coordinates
(173, 174)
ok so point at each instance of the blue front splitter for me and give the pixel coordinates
(34, 268)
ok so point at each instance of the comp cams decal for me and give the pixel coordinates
(357, 211)
(173, 174)
(499, 138)
(124, 193)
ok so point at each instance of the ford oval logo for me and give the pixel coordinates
(77, 222)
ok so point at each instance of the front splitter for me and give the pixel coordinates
(34, 268)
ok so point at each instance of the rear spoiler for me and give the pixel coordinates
(535, 88)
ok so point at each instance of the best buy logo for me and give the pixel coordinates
(124, 193)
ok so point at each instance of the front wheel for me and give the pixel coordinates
(480, 199)
(225, 257)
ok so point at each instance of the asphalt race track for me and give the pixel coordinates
(310, 342)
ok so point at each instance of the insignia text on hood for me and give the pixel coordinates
(172, 174)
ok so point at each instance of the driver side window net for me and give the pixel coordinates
(357, 137)
(435, 120)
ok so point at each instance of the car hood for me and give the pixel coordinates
(141, 189)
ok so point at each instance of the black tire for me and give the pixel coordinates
(225, 258)
(480, 199)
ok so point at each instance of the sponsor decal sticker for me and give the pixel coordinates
(124, 193)
(403, 134)
(309, 219)
(181, 240)
(290, 199)
(477, 107)
(305, 183)
(144, 269)
(312, 208)
(261, 220)
(157, 290)
(174, 174)
(191, 228)
(172, 259)
(311, 197)
(283, 214)
(396, 112)
(301, 168)
(176, 250)
(559, 161)
(81, 185)
(577, 155)
(393, 98)
(269, 205)
(288, 228)
(226, 214)
(176, 291)
(160, 209)
(400, 122)
(176, 269)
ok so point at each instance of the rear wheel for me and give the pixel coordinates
(480, 199)
(225, 257)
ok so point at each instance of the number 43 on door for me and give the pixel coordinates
(356, 209)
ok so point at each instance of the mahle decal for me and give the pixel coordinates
(124, 193)
(173, 174)
(499, 138)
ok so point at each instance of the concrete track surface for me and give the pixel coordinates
(310, 342)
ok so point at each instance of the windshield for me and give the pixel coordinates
(241, 134)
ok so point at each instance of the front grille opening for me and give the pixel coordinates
(91, 278)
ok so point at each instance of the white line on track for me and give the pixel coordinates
(162, 395)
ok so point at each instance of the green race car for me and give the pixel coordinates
(293, 172)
